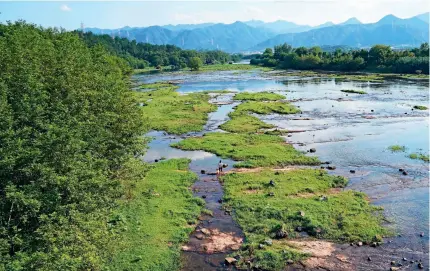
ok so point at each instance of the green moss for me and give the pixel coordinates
(164, 109)
(420, 107)
(299, 198)
(421, 156)
(354, 91)
(397, 148)
(244, 124)
(253, 150)
(258, 96)
(153, 221)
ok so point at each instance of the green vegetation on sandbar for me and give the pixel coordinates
(164, 109)
(220, 91)
(258, 96)
(354, 91)
(278, 132)
(254, 150)
(244, 124)
(231, 67)
(155, 217)
(397, 148)
(266, 108)
(421, 156)
(241, 122)
(297, 200)
(420, 107)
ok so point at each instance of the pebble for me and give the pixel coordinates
(369, 259)
(404, 259)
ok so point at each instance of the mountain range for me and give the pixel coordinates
(257, 35)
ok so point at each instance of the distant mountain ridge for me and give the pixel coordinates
(257, 35)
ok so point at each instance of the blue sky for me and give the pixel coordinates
(69, 15)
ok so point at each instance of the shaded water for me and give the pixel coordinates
(350, 130)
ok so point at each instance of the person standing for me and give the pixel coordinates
(220, 166)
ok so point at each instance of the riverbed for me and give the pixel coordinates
(351, 131)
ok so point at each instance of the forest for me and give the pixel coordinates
(379, 58)
(140, 55)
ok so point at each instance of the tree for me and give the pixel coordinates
(68, 123)
(195, 63)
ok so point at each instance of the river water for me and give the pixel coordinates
(352, 131)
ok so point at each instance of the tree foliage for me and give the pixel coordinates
(379, 58)
(67, 125)
(141, 55)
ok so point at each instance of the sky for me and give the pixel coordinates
(115, 14)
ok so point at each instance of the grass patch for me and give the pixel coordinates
(253, 150)
(420, 107)
(258, 96)
(222, 91)
(265, 108)
(154, 220)
(245, 124)
(164, 109)
(354, 91)
(421, 156)
(397, 148)
(278, 132)
(298, 198)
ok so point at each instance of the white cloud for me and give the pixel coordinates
(65, 7)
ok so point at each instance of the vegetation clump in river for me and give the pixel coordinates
(354, 91)
(164, 109)
(274, 206)
(153, 219)
(253, 150)
(258, 96)
(397, 148)
(420, 107)
(421, 156)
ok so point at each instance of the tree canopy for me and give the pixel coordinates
(67, 125)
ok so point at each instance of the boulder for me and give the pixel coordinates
(420, 266)
(352, 171)
(401, 169)
(312, 150)
(359, 244)
(280, 234)
(392, 268)
(203, 171)
(405, 173)
(230, 260)
(268, 242)
(331, 167)
(199, 236)
(299, 229)
(302, 213)
(205, 231)
(156, 160)
(290, 261)
(422, 234)
(369, 259)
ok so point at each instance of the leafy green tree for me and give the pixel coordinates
(195, 63)
(68, 122)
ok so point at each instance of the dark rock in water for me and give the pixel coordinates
(230, 260)
(406, 113)
(322, 167)
(203, 171)
(422, 234)
(411, 261)
(272, 183)
(331, 167)
(289, 135)
(405, 173)
(401, 169)
(220, 201)
(156, 160)
(211, 173)
(313, 150)
(404, 259)
(224, 165)
(369, 259)
(290, 261)
(420, 266)
(204, 196)
(372, 110)
(352, 171)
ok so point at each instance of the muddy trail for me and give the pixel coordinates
(351, 131)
